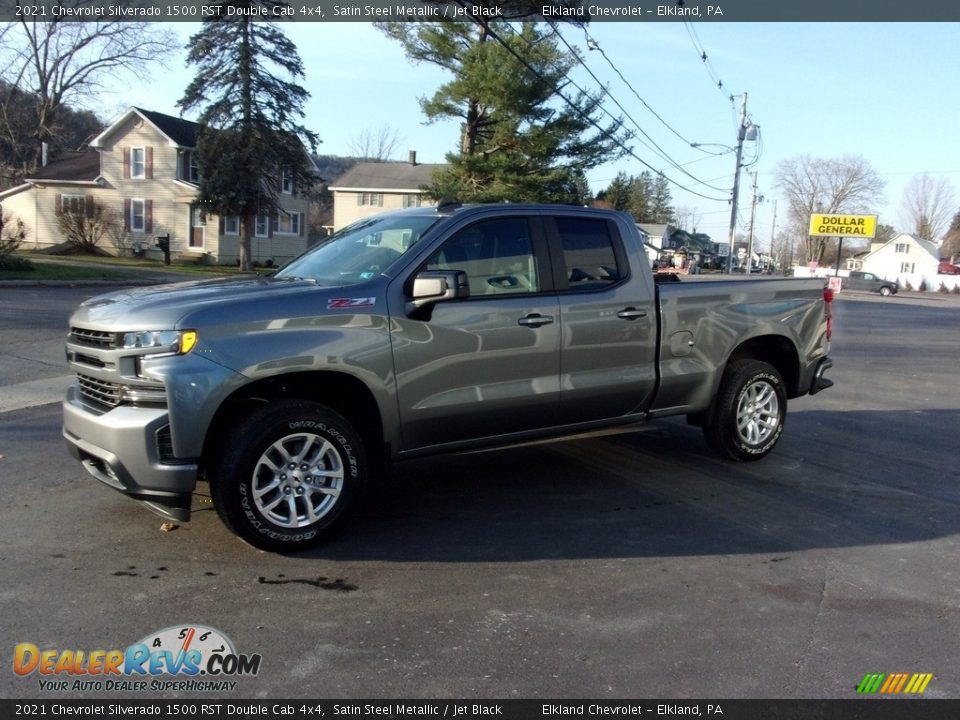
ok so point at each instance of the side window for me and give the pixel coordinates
(497, 256)
(588, 253)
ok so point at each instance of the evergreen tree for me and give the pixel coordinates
(617, 194)
(519, 140)
(251, 137)
(641, 192)
(951, 241)
(661, 211)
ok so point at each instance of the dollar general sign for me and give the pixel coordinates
(832, 225)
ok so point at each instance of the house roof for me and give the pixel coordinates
(73, 167)
(653, 229)
(182, 132)
(179, 132)
(924, 245)
(377, 176)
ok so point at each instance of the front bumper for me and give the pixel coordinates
(126, 443)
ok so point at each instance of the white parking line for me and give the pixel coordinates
(33, 393)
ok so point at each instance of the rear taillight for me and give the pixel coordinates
(828, 299)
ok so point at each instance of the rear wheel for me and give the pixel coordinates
(288, 474)
(750, 409)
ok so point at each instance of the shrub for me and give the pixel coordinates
(84, 228)
(923, 286)
(907, 285)
(12, 262)
(12, 234)
(943, 287)
(956, 290)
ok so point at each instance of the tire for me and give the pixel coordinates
(885, 291)
(748, 415)
(287, 475)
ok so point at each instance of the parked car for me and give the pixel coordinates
(948, 268)
(869, 282)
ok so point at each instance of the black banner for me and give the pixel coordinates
(469, 10)
(858, 709)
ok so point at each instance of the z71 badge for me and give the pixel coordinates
(349, 303)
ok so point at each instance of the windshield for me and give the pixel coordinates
(360, 251)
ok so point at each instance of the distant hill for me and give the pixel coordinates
(19, 149)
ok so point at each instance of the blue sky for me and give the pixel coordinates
(885, 91)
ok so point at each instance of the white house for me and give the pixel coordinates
(369, 188)
(906, 259)
(142, 167)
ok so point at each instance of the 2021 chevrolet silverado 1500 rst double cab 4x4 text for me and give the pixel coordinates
(416, 332)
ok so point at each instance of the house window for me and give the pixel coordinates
(138, 163)
(288, 223)
(194, 168)
(370, 199)
(72, 203)
(137, 216)
(902, 247)
(412, 200)
(286, 181)
(231, 225)
(906, 267)
(262, 226)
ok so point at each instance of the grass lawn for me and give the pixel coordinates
(89, 267)
(50, 271)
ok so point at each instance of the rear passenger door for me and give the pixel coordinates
(487, 365)
(609, 334)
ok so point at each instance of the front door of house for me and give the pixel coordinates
(197, 228)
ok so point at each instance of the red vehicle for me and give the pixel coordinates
(947, 268)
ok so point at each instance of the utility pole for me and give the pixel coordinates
(741, 134)
(773, 233)
(753, 215)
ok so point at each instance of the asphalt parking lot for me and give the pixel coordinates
(634, 565)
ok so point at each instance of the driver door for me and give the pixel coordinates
(487, 365)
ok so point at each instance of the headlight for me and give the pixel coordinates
(165, 342)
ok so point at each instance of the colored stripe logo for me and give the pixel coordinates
(894, 683)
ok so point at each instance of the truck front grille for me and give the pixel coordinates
(100, 392)
(93, 338)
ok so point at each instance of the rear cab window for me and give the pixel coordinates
(589, 254)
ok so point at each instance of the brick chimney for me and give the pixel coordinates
(413, 157)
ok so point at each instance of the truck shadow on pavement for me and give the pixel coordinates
(837, 479)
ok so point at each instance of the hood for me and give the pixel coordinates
(162, 306)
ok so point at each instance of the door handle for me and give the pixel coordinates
(535, 320)
(631, 313)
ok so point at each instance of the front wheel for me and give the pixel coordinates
(287, 475)
(886, 291)
(750, 409)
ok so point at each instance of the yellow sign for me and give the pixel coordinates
(832, 225)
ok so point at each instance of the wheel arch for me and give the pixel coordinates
(341, 392)
(775, 350)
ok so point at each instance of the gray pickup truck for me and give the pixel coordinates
(416, 332)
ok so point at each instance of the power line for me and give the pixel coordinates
(592, 44)
(663, 153)
(492, 33)
(707, 64)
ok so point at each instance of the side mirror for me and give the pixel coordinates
(433, 286)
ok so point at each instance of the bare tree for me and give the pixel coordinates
(927, 205)
(86, 226)
(375, 145)
(59, 61)
(811, 185)
(687, 217)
